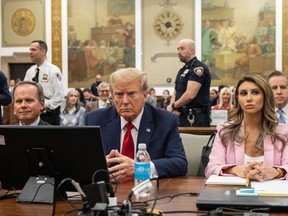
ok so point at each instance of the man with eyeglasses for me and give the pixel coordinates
(103, 100)
(50, 78)
(143, 123)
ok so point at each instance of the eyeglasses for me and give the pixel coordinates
(104, 91)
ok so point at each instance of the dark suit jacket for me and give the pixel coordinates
(5, 95)
(41, 122)
(158, 129)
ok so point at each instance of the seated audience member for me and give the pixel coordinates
(216, 100)
(213, 94)
(164, 101)
(88, 96)
(279, 83)
(252, 144)
(28, 98)
(81, 97)
(103, 100)
(73, 113)
(155, 127)
(225, 98)
(151, 98)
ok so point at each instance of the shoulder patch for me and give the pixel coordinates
(198, 71)
(59, 76)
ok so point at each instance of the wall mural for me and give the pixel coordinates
(111, 45)
(238, 39)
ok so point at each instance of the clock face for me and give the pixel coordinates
(168, 25)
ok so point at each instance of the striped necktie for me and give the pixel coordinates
(281, 117)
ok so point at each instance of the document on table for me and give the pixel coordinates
(225, 180)
(271, 188)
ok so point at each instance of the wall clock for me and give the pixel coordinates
(168, 25)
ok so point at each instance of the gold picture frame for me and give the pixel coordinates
(22, 22)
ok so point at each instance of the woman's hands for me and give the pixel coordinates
(254, 170)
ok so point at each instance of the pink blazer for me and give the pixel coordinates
(222, 157)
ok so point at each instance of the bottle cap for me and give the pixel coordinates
(141, 146)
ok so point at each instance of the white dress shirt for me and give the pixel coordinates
(134, 133)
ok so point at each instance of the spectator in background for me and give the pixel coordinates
(5, 95)
(81, 97)
(217, 99)
(11, 85)
(226, 99)
(88, 96)
(152, 98)
(213, 94)
(164, 101)
(73, 113)
(29, 101)
(279, 83)
(9, 116)
(103, 99)
(94, 86)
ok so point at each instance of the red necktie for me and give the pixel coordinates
(128, 143)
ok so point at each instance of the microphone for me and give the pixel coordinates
(86, 210)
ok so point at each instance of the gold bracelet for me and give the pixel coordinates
(281, 173)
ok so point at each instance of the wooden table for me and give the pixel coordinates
(170, 186)
(198, 130)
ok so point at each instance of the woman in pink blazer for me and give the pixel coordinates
(252, 144)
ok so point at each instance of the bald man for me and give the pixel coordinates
(190, 100)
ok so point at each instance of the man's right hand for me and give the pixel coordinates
(124, 167)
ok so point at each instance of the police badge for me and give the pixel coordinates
(199, 71)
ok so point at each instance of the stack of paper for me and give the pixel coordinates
(225, 180)
(271, 188)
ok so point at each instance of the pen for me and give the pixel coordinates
(247, 182)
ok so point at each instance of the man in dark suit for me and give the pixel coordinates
(157, 128)
(5, 95)
(29, 101)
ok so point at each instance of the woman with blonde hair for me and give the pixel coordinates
(225, 98)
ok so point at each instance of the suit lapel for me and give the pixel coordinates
(114, 130)
(146, 127)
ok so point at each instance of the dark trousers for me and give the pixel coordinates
(51, 116)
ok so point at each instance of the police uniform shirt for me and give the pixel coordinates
(50, 79)
(196, 71)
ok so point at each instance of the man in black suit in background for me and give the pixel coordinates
(5, 95)
(29, 101)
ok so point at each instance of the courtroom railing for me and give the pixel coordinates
(198, 130)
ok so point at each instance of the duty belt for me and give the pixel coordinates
(199, 110)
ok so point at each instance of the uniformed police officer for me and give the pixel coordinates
(190, 99)
(49, 77)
